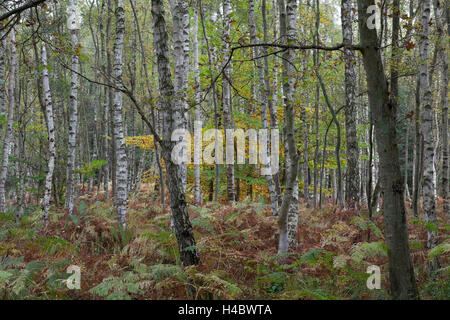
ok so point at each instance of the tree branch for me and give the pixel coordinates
(27, 5)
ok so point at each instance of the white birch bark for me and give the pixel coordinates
(171, 112)
(8, 132)
(291, 12)
(180, 36)
(2, 73)
(121, 195)
(51, 135)
(429, 201)
(442, 17)
(288, 93)
(73, 112)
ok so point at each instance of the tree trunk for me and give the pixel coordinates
(180, 18)
(73, 117)
(406, 194)
(418, 151)
(288, 90)
(121, 195)
(3, 58)
(429, 201)
(51, 135)
(443, 17)
(183, 227)
(8, 132)
(352, 176)
(401, 273)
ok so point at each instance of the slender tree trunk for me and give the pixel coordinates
(274, 87)
(322, 167)
(338, 143)
(183, 227)
(21, 138)
(418, 151)
(316, 104)
(352, 176)
(152, 111)
(429, 201)
(3, 58)
(180, 18)
(121, 195)
(109, 72)
(292, 169)
(443, 13)
(105, 104)
(406, 194)
(8, 132)
(291, 13)
(401, 272)
(51, 135)
(73, 117)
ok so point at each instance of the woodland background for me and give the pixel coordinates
(91, 90)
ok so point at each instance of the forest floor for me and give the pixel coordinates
(237, 245)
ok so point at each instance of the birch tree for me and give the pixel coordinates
(180, 20)
(442, 17)
(121, 195)
(9, 121)
(292, 168)
(291, 14)
(2, 73)
(51, 135)
(73, 26)
(428, 183)
(171, 112)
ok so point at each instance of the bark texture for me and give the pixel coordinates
(292, 169)
(428, 182)
(121, 195)
(9, 120)
(401, 273)
(51, 135)
(352, 180)
(73, 122)
(171, 112)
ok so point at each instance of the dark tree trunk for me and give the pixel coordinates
(401, 272)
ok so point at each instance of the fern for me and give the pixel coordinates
(364, 250)
(162, 271)
(439, 250)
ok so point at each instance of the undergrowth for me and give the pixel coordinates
(237, 246)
